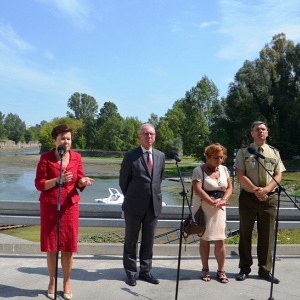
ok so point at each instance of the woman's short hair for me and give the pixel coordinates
(56, 131)
(214, 149)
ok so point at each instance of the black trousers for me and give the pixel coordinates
(264, 212)
(147, 224)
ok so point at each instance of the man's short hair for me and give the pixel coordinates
(256, 123)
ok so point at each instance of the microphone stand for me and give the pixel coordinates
(184, 197)
(58, 222)
(279, 189)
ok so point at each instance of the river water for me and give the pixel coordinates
(17, 180)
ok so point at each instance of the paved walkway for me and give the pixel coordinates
(24, 276)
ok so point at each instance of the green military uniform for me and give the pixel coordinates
(251, 208)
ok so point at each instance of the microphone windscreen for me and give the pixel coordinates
(61, 149)
(251, 150)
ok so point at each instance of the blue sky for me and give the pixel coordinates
(141, 55)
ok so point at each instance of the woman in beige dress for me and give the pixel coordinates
(212, 188)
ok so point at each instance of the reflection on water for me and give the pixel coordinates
(20, 187)
(17, 187)
(17, 180)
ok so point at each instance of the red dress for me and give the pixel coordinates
(49, 168)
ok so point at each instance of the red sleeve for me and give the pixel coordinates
(41, 173)
(80, 172)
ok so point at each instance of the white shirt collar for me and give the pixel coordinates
(145, 150)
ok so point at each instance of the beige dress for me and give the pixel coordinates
(215, 217)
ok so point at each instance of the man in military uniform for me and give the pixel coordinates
(257, 201)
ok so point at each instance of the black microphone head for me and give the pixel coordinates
(175, 156)
(251, 150)
(61, 149)
(172, 153)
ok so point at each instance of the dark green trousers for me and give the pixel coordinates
(251, 209)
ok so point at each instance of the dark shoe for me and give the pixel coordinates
(149, 278)
(241, 276)
(268, 277)
(131, 280)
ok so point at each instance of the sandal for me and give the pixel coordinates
(205, 275)
(221, 276)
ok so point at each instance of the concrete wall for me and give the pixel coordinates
(12, 145)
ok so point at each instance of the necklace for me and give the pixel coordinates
(213, 171)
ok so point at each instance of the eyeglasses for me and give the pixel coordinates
(148, 133)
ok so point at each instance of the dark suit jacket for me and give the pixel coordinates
(49, 168)
(138, 187)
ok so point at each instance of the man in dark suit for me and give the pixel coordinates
(140, 180)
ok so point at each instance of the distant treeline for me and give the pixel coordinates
(266, 89)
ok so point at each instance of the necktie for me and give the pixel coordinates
(262, 174)
(149, 162)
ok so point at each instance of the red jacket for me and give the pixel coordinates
(49, 168)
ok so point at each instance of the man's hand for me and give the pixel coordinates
(261, 193)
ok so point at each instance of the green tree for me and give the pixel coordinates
(240, 107)
(107, 111)
(83, 106)
(15, 128)
(28, 136)
(2, 127)
(165, 137)
(89, 133)
(197, 107)
(267, 89)
(109, 135)
(176, 117)
(280, 58)
(129, 134)
(153, 120)
(32, 133)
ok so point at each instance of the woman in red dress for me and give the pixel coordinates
(47, 181)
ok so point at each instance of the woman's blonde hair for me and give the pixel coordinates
(214, 149)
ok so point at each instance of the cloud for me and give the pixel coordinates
(9, 39)
(78, 11)
(49, 55)
(17, 70)
(247, 28)
(19, 73)
(175, 25)
(176, 28)
(207, 24)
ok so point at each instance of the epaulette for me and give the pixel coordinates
(273, 148)
(243, 150)
(276, 151)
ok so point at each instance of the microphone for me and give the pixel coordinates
(251, 150)
(175, 156)
(61, 149)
